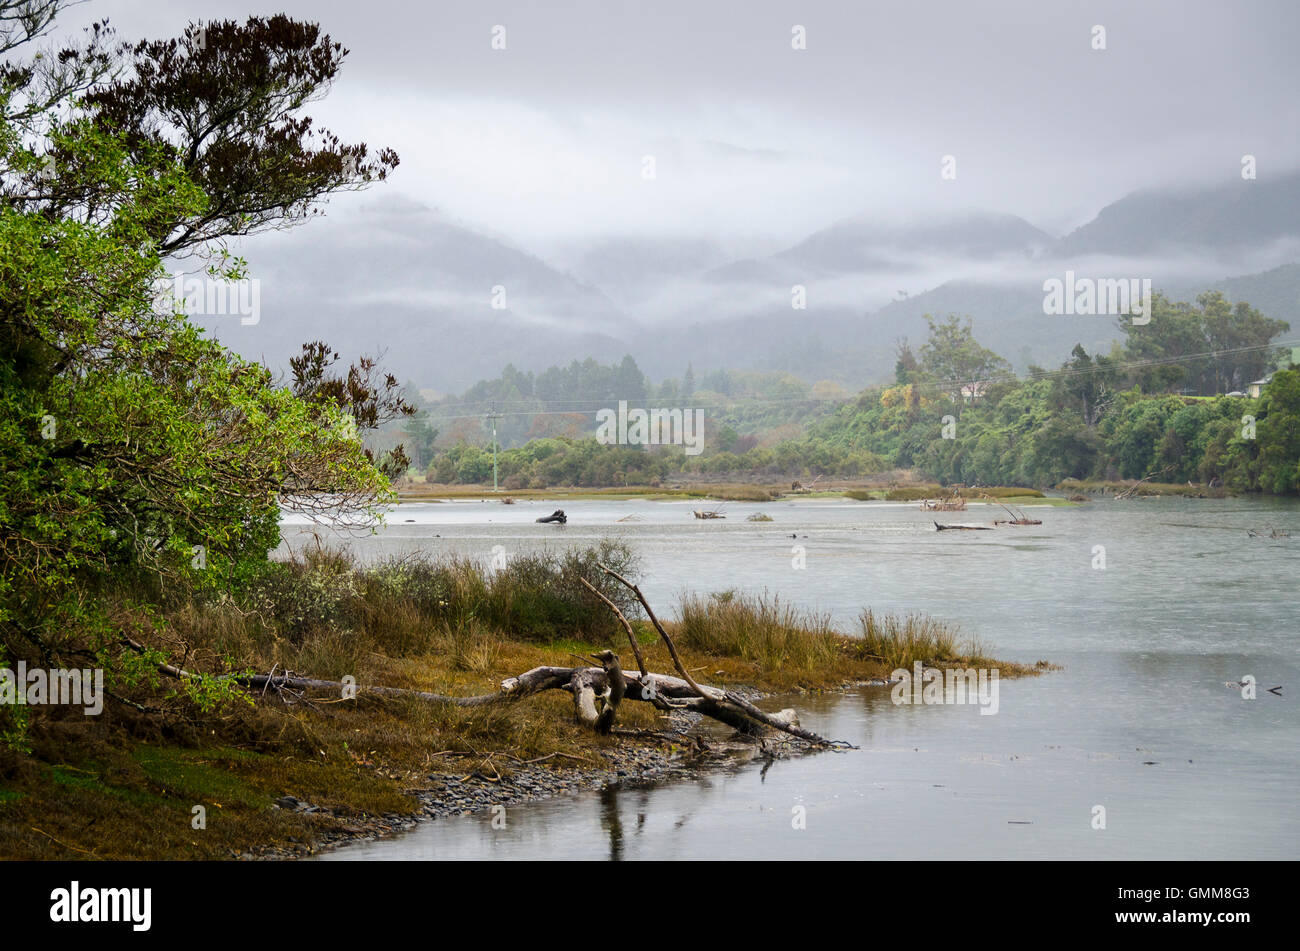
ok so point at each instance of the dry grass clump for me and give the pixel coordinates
(758, 628)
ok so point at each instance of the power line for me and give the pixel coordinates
(925, 385)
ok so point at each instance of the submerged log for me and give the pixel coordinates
(556, 516)
(963, 528)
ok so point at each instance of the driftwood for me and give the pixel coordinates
(595, 704)
(706, 513)
(556, 516)
(716, 700)
(631, 635)
(591, 686)
(963, 528)
(1128, 493)
(597, 691)
(1017, 517)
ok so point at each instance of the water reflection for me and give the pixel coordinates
(610, 821)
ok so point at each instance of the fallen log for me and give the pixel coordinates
(1128, 493)
(963, 528)
(556, 516)
(716, 705)
(631, 635)
(1017, 517)
(597, 691)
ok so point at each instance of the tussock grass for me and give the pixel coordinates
(732, 493)
(914, 493)
(901, 641)
(758, 628)
(791, 647)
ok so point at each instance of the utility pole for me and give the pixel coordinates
(494, 416)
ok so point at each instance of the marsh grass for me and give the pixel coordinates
(123, 785)
(732, 492)
(758, 628)
(469, 646)
(797, 647)
(900, 641)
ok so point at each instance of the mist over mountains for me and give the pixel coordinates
(397, 276)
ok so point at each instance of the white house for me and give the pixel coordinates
(1253, 389)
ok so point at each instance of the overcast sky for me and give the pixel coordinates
(544, 141)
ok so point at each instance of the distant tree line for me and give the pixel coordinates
(1169, 400)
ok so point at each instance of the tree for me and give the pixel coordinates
(1208, 347)
(367, 401)
(226, 97)
(133, 448)
(421, 435)
(719, 381)
(906, 367)
(1239, 336)
(1279, 434)
(1085, 385)
(957, 363)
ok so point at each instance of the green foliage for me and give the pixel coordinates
(952, 359)
(1204, 348)
(137, 454)
(1279, 434)
(1097, 417)
(536, 597)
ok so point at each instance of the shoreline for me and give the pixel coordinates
(1071, 492)
(299, 770)
(643, 761)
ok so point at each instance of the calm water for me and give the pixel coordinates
(1139, 721)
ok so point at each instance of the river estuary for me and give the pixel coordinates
(1149, 605)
